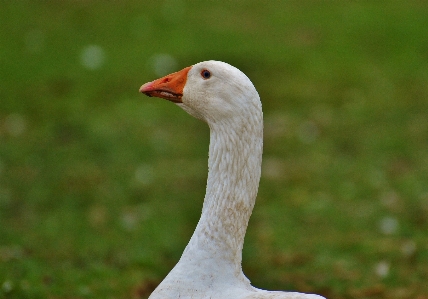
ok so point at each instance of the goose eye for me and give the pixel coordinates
(206, 74)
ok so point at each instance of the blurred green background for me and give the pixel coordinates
(101, 187)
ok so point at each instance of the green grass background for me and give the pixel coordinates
(101, 187)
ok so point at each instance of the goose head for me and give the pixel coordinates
(212, 91)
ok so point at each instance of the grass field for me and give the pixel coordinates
(101, 187)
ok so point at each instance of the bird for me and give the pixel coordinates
(225, 98)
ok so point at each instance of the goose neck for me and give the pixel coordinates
(233, 178)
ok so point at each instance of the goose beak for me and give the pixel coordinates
(169, 87)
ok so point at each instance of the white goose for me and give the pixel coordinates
(222, 96)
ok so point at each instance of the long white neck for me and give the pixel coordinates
(235, 157)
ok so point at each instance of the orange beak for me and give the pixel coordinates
(169, 87)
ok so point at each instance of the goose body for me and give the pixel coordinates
(223, 97)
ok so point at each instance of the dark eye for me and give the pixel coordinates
(206, 74)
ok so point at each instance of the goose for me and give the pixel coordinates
(223, 97)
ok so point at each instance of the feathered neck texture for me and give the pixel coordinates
(235, 156)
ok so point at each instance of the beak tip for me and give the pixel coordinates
(145, 87)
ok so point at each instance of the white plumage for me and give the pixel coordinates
(223, 97)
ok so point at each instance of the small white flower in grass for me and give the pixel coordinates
(129, 220)
(15, 124)
(144, 174)
(382, 269)
(132, 216)
(163, 64)
(7, 286)
(388, 225)
(92, 57)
